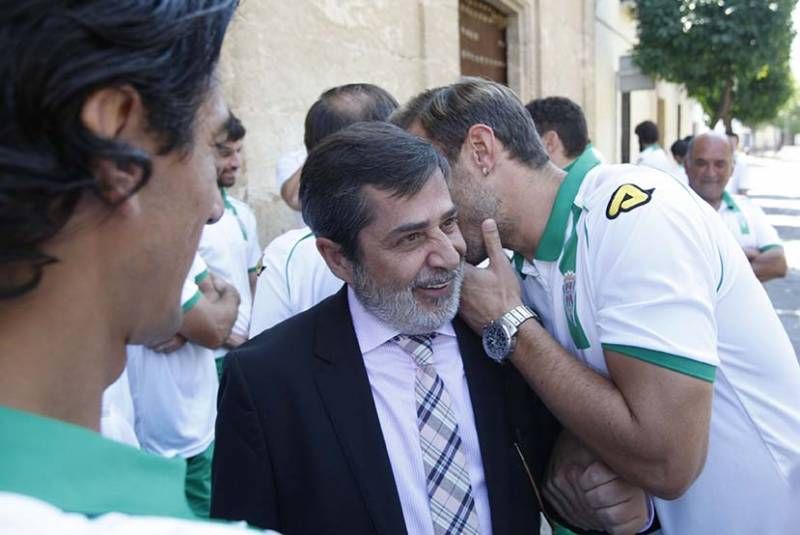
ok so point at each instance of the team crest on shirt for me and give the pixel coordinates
(569, 296)
(627, 197)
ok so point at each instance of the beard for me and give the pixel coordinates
(476, 203)
(398, 308)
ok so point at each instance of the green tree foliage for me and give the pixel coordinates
(731, 55)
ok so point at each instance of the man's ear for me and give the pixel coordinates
(337, 262)
(552, 143)
(483, 148)
(116, 113)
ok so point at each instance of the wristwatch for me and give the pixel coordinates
(500, 336)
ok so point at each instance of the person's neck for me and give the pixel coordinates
(58, 350)
(529, 210)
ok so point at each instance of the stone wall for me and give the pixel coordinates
(279, 56)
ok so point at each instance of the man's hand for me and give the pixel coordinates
(767, 265)
(489, 293)
(620, 507)
(751, 253)
(234, 340)
(588, 495)
(170, 345)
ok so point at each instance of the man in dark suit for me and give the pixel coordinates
(376, 411)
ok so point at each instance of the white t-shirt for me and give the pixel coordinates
(230, 249)
(175, 394)
(294, 278)
(740, 178)
(117, 420)
(634, 262)
(748, 223)
(654, 156)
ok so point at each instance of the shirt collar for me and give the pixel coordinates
(552, 241)
(371, 332)
(78, 470)
(728, 202)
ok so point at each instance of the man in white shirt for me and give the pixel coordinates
(650, 152)
(658, 348)
(708, 165)
(326, 422)
(230, 247)
(105, 185)
(294, 277)
(174, 389)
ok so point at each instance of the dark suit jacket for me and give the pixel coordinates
(299, 447)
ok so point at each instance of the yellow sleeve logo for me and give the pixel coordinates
(626, 198)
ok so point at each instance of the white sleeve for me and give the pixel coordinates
(287, 165)
(190, 293)
(253, 247)
(766, 235)
(654, 284)
(271, 303)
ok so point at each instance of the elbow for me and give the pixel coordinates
(670, 479)
(783, 269)
(670, 486)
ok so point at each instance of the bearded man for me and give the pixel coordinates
(377, 411)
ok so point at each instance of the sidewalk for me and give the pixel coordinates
(776, 188)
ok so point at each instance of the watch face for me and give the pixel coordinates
(496, 341)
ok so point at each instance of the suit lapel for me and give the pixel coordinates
(486, 381)
(343, 384)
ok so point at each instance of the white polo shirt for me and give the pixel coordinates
(175, 394)
(634, 262)
(748, 223)
(230, 249)
(293, 278)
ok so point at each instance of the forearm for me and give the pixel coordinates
(770, 264)
(290, 191)
(595, 410)
(210, 322)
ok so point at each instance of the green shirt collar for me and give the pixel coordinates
(78, 470)
(729, 202)
(589, 149)
(225, 200)
(552, 241)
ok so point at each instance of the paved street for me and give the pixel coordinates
(776, 188)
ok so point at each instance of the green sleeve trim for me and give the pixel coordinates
(187, 306)
(765, 248)
(686, 366)
(252, 269)
(200, 277)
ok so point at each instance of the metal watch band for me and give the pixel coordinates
(518, 314)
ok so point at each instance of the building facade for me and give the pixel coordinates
(279, 56)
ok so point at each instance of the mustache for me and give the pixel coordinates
(440, 276)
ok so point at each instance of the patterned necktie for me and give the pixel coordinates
(449, 489)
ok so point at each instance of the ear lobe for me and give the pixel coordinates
(116, 183)
(337, 262)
